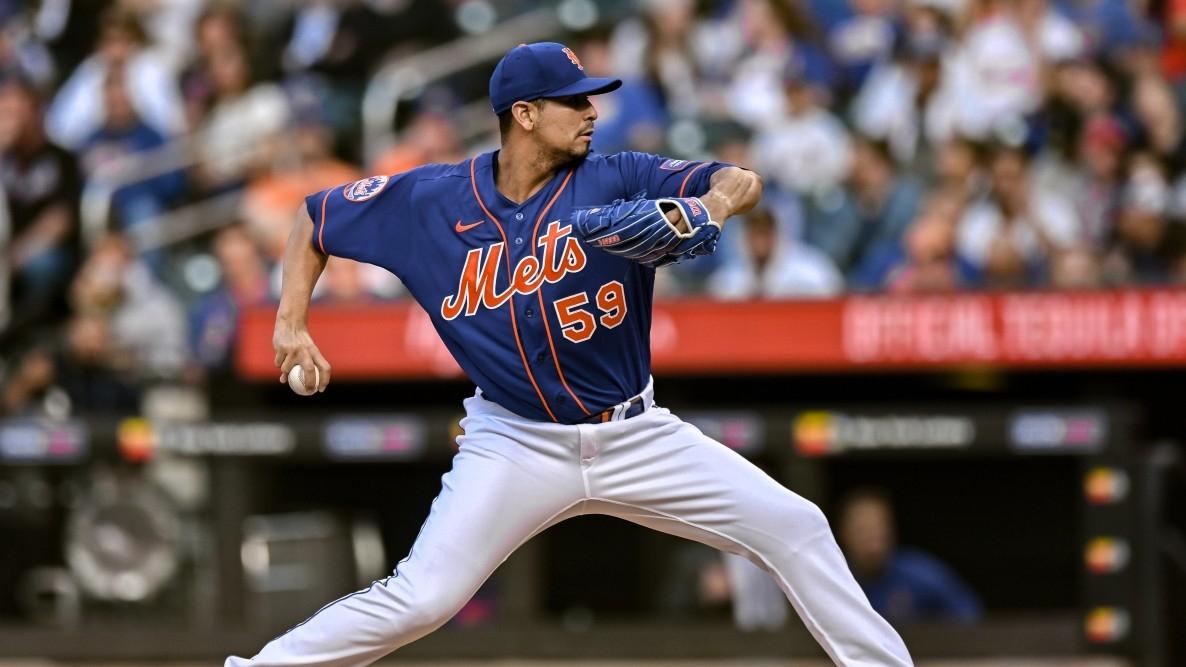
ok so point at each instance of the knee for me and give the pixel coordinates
(432, 607)
(804, 518)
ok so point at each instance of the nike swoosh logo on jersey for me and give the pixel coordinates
(460, 228)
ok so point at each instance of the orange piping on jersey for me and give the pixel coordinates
(543, 312)
(687, 178)
(321, 232)
(511, 305)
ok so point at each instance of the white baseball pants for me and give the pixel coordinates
(514, 477)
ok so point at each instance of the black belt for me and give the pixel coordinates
(637, 407)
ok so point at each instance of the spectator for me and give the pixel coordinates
(644, 128)
(94, 373)
(695, 584)
(957, 169)
(772, 266)
(77, 110)
(349, 282)
(904, 585)
(335, 47)
(26, 382)
(218, 28)
(777, 36)
(864, 39)
(1110, 25)
(68, 29)
(214, 318)
(1144, 251)
(1101, 161)
(303, 164)
(238, 135)
(1154, 106)
(807, 151)
(702, 583)
(169, 26)
(124, 135)
(927, 260)
(658, 50)
(41, 186)
(146, 321)
(1077, 267)
(884, 203)
(900, 102)
(83, 375)
(431, 137)
(859, 226)
(997, 75)
(22, 51)
(1009, 235)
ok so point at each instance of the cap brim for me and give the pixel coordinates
(593, 85)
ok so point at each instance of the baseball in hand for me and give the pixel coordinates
(296, 380)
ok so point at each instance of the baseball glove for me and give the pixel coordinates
(639, 230)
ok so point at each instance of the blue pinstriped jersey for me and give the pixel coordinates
(547, 326)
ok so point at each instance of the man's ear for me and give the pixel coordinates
(526, 114)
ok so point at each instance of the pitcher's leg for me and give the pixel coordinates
(674, 479)
(495, 497)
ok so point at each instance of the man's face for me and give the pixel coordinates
(16, 112)
(565, 125)
(867, 534)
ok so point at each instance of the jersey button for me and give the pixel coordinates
(518, 240)
(529, 312)
(518, 216)
(541, 357)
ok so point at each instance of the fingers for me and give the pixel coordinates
(295, 347)
(309, 377)
(287, 361)
(323, 368)
(308, 357)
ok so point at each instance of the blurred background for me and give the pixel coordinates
(956, 322)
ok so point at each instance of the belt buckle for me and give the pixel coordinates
(606, 416)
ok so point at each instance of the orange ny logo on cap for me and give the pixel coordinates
(573, 57)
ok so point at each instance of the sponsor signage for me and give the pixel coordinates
(822, 433)
(34, 441)
(223, 439)
(1065, 431)
(1120, 328)
(383, 437)
(1106, 625)
(1104, 485)
(740, 431)
(1106, 555)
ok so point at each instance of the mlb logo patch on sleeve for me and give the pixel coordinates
(364, 189)
(674, 165)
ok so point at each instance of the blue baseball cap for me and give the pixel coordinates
(542, 69)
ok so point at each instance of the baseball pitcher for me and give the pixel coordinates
(536, 264)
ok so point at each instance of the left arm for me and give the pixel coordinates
(732, 190)
(674, 226)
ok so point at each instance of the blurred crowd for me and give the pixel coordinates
(924, 145)
(907, 146)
